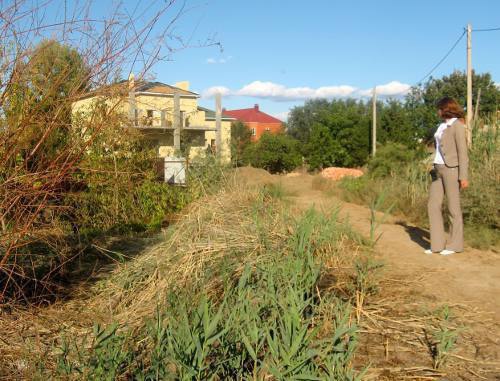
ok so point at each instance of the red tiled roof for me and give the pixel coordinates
(252, 115)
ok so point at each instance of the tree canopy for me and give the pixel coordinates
(39, 99)
(338, 133)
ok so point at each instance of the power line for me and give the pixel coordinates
(442, 59)
(485, 29)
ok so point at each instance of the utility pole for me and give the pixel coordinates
(374, 121)
(476, 109)
(218, 124)
(469, 85)
(177, 121)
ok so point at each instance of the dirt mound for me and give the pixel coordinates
(336, 173)
(254, 176)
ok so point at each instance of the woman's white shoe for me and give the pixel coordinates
(447, 252)
(428, 251)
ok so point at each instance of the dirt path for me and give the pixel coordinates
(471, 277)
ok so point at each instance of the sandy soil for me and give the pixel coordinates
(468, 282)
(471, 277)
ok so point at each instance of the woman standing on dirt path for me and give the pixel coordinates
(449, 176)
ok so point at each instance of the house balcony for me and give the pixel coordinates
(152, 122)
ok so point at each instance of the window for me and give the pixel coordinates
(194, 138)
(149, 118)
(268, 129)
(254, 131)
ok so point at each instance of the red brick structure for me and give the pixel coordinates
(257, 121)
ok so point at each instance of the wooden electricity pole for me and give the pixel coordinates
(469, 85)
(374, 121)
(218, 123)
(177, 122)
(476, 109)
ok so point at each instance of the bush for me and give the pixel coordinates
(274, 153)
(403, 176)
(263, 320)
(323, 150)
(132, 198)
(390, 159)
(241, 137)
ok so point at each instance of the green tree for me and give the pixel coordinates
(240, 139)
(274, 153)
(47, 82)
(302, 118)
(421, 100)
(396, 124)
(322, 149)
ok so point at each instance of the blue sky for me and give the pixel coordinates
(280, 53)
(328, 43)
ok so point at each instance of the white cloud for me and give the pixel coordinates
(221, 60)
(391, 89)
(278, 92)
(335, 91)
(210, 92)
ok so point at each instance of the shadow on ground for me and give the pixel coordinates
(420, 236)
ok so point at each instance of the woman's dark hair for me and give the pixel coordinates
(450, 108)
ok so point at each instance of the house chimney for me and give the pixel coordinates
(223, 109)
(131, 81)
(256, 107)
(184, 85)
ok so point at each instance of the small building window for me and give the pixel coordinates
(268, 129)
(254, 131)
(149, 118)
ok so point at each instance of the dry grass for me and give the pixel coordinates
(241, 226)
(236, 227)
(398, 334)
(210, 231)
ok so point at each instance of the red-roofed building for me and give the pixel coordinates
(257, 121)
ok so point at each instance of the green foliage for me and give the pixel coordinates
(443, 338)
(480, 205)
(337, 132)
(322, 149)
(274, 153)
(39, 100)
(333, 132)
(240, 139)
(405, 182)
(302, 118)
(421, 100)
(392, 158)
(395, 121)
(264, 324)
(109, 356)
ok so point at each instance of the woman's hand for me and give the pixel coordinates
(464, 184)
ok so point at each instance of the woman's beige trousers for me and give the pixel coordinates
(445, 182)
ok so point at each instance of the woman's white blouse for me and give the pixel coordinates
(438, 159)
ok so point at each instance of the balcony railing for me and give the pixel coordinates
(153, 122)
